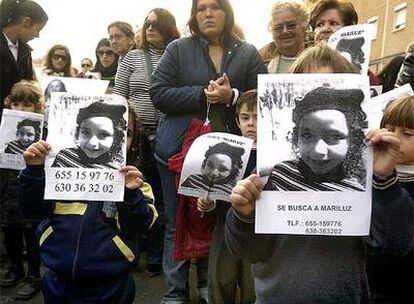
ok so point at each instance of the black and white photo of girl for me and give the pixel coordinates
(99, 138)
(221, 165)
(27, 132)
(213, 165)
(351, 49)
(328, 141)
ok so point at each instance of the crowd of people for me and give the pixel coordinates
(211, 75)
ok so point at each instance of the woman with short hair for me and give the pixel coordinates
(289, 26)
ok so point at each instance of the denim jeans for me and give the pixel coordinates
(176, 272)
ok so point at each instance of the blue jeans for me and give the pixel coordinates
(175, 272)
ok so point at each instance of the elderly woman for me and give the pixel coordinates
(328, 16)
(59, 62)
(288, 26)
(133, 82)
(204, 71)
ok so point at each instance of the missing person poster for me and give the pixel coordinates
(354, 43)
(214, 164)
(312, 155)
(88, 136)
(18, 131)
(52, 84)
(375, 106)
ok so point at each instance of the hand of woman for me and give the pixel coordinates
(386, 151)
(36, 153)
(245, 193)
(133, 177)
(219, 91)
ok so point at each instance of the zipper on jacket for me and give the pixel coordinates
(75, 258)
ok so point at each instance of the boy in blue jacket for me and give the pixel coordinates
(87, 247)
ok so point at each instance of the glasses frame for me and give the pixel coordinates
(280, 28)
(64, 58)
(154, 24)
(106, 52)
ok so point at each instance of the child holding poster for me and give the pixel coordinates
(391, 278)
(322, 269)
(226, 272)
(25, 96)
(88, 247)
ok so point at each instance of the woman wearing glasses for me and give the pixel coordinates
(288, 26)
(106, 62)
(133, 82)
(86, 66)
(59, 62)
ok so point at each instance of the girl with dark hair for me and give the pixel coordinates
(59, 62)
(20, 21)
(106, 62)
(99, 136)
(133, 82)
(28, 131)
(204, 71)
(221, 165)
(329, 154)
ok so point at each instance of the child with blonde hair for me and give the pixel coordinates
(25, 96)
(390, 277)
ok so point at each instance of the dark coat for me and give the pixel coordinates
(183, 72)
(12, 71)
(406, 74)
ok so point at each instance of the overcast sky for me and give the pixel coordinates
(80, 24)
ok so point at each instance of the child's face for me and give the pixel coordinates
(96, 136)
(247, 122)
(406, 137)
(25, 106)
(26, 135)
(217, 167)
(323, 140)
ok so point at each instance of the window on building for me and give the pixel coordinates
(374, 21)
(400, 16)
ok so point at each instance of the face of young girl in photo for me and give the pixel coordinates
(25, 106)
(406, 137)
(323, 140)
(26, 135)
(217, 167)
(96, 136)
